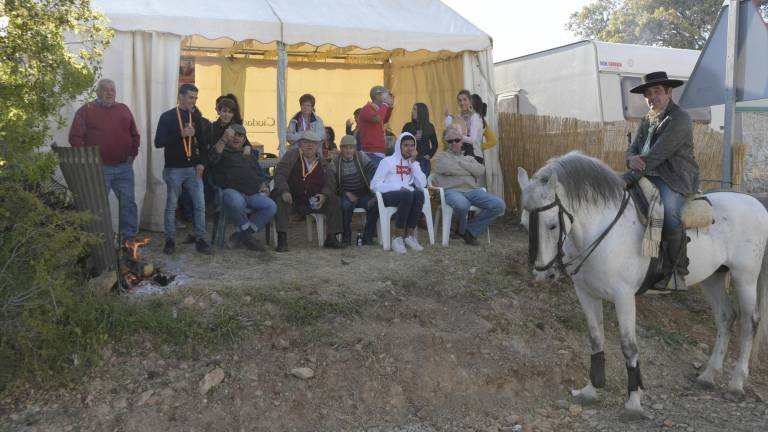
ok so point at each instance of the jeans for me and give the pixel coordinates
(673, 203)
(409, 205)
(371, 215)
(177, 179)
(489, 204)
(119, 178)
(236, 204)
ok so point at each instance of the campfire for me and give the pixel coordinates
(134, 270)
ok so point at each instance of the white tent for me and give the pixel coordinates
(421, 49)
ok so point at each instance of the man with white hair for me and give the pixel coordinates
(110, 126)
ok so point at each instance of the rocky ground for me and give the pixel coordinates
(450, 339)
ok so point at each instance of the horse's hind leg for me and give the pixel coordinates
(717, 297)
(593, 312)
(745, 285)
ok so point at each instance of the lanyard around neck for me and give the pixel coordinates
(305, 172)
(186, 140)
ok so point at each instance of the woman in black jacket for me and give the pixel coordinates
(424, 131)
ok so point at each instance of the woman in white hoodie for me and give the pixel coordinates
(401, 182)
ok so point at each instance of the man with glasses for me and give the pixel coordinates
(459, 176)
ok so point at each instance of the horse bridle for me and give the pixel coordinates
(557, 260)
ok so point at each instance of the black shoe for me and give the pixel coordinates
(169, 247)
(282, 242)
(250, 242)
(332, 243)
(346, 238)
(470, 239)
(203, 247)
(368, 241)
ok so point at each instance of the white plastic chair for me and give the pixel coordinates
(319, 220)
(446, 212)
(385, 220)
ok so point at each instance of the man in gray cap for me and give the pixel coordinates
(244, 186)
(662, 151)
(304, 183)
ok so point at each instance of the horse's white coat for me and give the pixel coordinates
(616, 269)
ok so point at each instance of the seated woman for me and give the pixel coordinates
(305, 119)
(401, 182)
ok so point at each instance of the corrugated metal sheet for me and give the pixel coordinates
(82, 170)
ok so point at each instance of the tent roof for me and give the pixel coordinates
(393, 24)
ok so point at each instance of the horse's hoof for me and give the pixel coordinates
(705, 383)
(735, 395)
(632, 414)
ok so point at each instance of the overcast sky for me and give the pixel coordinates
(520, 27)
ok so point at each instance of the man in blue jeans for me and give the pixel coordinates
(110, 126)
(662, 151)
(459, 175)
(180, 133)
(353, 172)
(244, 186)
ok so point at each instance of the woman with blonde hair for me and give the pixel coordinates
(469, 123)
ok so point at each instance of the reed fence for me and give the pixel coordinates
(529, 141)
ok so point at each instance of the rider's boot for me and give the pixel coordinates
(676, 261)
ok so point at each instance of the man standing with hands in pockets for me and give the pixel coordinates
(180, 133)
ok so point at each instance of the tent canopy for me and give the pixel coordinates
(395, 24)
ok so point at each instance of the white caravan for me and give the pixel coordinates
(590, 80)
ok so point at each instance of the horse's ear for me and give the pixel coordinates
(552, 181)
(522, 177)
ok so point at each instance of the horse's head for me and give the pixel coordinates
(547, 222)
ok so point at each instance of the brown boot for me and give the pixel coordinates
(282, 242)
(676, 261)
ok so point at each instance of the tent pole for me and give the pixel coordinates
(282, 66)
(730, 90)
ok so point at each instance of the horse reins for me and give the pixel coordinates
(533, 237)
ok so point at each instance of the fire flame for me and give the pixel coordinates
(134, 246)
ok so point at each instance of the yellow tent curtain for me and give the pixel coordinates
(339, 89)
(434, 82)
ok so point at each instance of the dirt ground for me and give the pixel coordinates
(449, 339)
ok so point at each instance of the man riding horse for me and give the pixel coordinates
(662, 151)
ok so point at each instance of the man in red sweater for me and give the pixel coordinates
(110, 126)
(373, 116)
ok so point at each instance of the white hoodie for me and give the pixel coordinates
(395, 172)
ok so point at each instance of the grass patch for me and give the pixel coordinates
(670, 337)
(300, 310)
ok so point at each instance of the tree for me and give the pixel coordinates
(50, 53)
(669, 23)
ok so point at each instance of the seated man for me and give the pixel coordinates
(353, 171)
(243, 181)
(303, 182)
(459, 176)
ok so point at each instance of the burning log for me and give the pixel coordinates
(133, 269)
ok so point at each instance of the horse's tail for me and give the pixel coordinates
(761, 334)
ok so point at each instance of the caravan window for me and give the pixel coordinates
(635, 107)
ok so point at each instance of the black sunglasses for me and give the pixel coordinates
(453, 141)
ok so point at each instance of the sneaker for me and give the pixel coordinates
(203, 247)
(413, 243)
(250, 242)
(169, 247)
(398, 245)
(470, 239)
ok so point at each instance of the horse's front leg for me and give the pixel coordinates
(593, 311)
(625, 314)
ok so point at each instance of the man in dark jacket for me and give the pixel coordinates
(662, 151)
(353, 172)
(244, 186)
(180, 133)
(304, 183)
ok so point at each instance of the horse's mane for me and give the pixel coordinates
(586, 180)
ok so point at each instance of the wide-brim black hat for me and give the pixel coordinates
(656, 78)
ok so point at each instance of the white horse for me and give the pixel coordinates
(576, 199)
